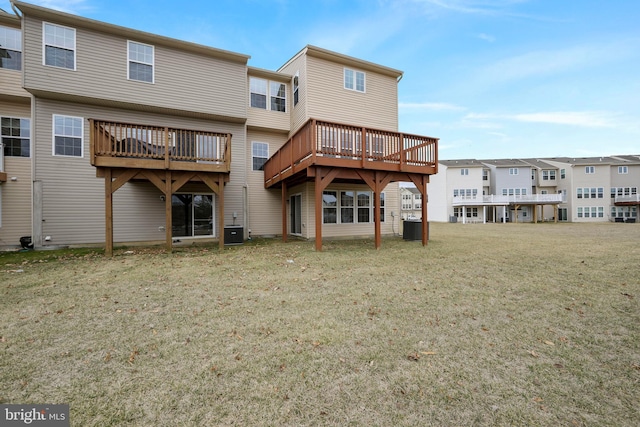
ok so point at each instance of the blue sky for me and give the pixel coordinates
(490, 78)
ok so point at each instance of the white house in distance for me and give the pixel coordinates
(589, 189)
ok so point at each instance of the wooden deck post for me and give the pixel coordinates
(284, 211)
(221, 211)
(425, 219)
(108, 213)
(318, 198)
(168, 211)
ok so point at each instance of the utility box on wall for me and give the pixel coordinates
(233, 234)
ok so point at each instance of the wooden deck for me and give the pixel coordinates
(352, 148)
(167, 157)
(325, 152)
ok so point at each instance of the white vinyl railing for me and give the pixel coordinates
(494, 199)
(634, 198)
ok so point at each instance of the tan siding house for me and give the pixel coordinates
(136, 137)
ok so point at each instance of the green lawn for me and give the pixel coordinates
(490, 324)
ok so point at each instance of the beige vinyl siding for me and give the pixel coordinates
(265, 119)
(183, 80)
(16, 201)
(327, 99)
(16, 195)
(73, 197)
(298, 112)
(388, 227)
(265, 215)
(11, 84)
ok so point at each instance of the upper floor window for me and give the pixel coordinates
(548, 175)
(59, 46)
(15, 137)
(563, 173)
(67, 136)
(10, 48)
(354, 80)
(513, 171)
(464, 171)
(141, 60)
(263, 90)
(623, 169)
(590, 169)
(485, 175)
(296, 88)
(259, 155)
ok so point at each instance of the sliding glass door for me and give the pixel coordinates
(192, 215)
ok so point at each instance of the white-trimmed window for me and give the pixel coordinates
(259, 155)
(513, 171)
(59, 44)
(68, 136)
(485, 175)
(15, 136)
(10, 48)
(296, 88)
(623, 170)
(589, 170)
(354, 80)
(548, 175)
(464, 171)
(262, 90)
(141, 59)
(563, 173)
(350, 206)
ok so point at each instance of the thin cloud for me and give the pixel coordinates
(590, 119)
(430, 106)
(486, 37)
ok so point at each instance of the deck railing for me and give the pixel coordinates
(352, 146)
(493, 199)
(125, 144)
(631, 198)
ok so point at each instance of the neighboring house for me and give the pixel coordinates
(531, 190)
(115, 135)
(411, 203)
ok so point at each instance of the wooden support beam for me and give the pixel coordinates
(168, 211)
(284, 211)
(108, 213)
(221, 212)
(425, 219)
(318, 205)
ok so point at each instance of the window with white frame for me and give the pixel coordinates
(15, 137)
(141, 59)
(513, 171)
(10, 48)
(350, 207)
(464, 171)
(485, 175)
(354, 80)
(296, 88)
(514, 191)
(59, 46)
(590, 192)
(259, 155)
(262, 90)
(623, 170)
(548, 175)
(563, 173)
(589, 170)
(68, 136)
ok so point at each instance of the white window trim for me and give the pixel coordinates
(152, 64)
(589, 170)
(20, 137)
(269, 95)
(371, 207)
(45, 44)
(355, 79)
(622, 170)
(253, 144)
(53, 137)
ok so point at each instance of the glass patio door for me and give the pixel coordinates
(192, 215)
(296, 214)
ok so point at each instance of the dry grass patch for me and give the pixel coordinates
(507, 324)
